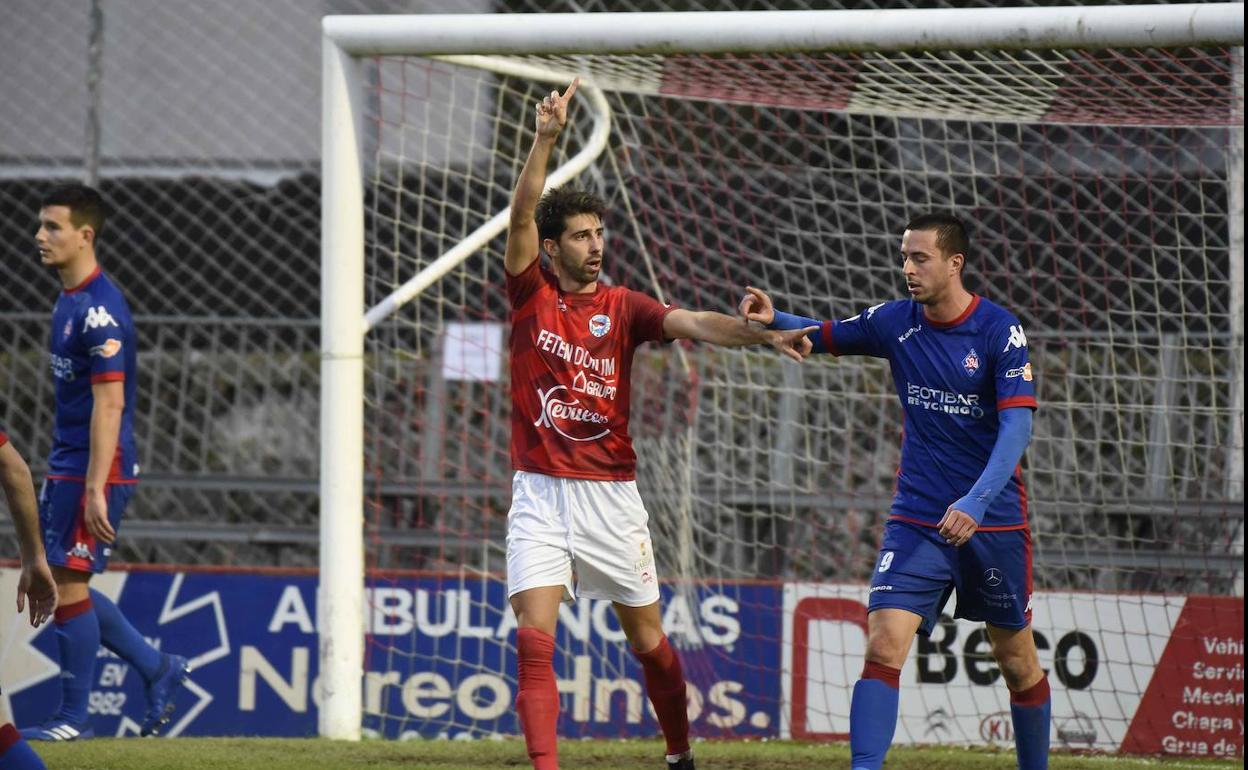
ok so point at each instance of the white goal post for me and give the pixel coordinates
(346, 320)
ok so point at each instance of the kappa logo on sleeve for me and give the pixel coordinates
(97, 317)
(869, 312)
(1017, 338)
(110, 348)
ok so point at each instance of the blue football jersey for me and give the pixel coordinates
(92, 341)
(952, 379)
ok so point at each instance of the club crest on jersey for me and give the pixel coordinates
(68, 330)
(971, 362)
(599, 325)
(109, 349)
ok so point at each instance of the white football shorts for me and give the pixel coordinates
(591, 537)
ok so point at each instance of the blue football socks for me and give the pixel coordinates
(78, 640)
(873, 715)
(1031, 709)
(118, 635)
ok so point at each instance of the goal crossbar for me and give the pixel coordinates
(1194, 24)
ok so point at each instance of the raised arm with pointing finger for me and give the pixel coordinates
(522, 235)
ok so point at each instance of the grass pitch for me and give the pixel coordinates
(315, 754)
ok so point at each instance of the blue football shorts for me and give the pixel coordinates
(918, 571)
(65, 536)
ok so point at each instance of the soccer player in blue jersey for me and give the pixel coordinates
(958, 521)
(35, 585)
(93, 466)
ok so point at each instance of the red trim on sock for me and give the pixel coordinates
(67, 612)
(8, 736)
(886, 674)
(1033, 696)
(665, 684)
(537, 696)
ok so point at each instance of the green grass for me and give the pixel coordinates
(312, 754)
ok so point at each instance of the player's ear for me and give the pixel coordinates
(88, 234)
(551, 246)
(957, 262)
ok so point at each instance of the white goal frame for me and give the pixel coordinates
(344, 322)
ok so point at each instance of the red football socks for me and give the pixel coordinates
(886, 674)
(665, 684)
(537, 702)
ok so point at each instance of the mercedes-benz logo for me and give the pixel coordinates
(992, 577)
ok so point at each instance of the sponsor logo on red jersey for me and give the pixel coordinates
(568, 417)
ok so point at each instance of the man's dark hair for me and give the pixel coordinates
(950, 232)
(557, 205)
(85, 205)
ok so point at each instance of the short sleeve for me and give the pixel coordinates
(647, 315)
(858, 335)
(102, 334)
(1015, 380)
(524, 285)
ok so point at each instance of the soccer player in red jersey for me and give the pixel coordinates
(574, 498)
(35, 585)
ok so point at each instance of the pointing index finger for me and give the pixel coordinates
(571, 89)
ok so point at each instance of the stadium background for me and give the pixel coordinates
(204, 134)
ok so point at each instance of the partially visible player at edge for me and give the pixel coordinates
(574, 498)
(93, 466)
(35, 584)
(959, 514)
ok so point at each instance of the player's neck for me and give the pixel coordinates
(74, 273)
(950, 307)
(569, 286)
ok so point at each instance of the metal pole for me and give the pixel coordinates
(1235, 210)
(340, 594)
(95, 73)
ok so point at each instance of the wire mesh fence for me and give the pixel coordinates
(201, 123)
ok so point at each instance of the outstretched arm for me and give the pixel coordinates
(35, 582)
(964, 516)
(522, 238)
(756, 306)
(720, 329)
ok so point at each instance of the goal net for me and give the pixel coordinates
(1103, 187)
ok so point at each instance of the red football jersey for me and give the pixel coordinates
(571, 360)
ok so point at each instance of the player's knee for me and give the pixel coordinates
(642, 625)
(1020, 669)
(890, 632)
(886, 651)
